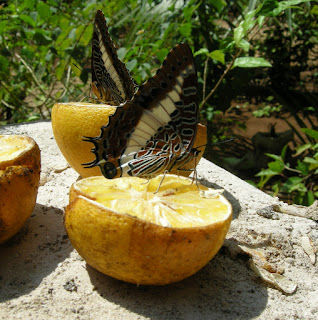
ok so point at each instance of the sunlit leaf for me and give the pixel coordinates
(59, 71)
(311, 133)
(218, 4)
(218, 56)
(185, 29)
(201, 51)
(266, 172)
(43, 10)
(238, 34)
(162, 53)
(272, 8)
(300, 149)
(28, 20)
(251, 62)
(245, 45)
(87, 35)
(276, 166)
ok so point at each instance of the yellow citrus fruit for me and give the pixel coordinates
(127, 230)
(74, 120)
(20, 165)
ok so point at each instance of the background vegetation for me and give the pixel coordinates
(245, 51)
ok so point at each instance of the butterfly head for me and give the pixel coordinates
(109, 170)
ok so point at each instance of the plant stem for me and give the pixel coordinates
(238, 52)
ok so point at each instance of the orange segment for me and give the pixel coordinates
(124, 229)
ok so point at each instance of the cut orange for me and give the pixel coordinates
(124, 229)
(20, 165)
(74, 120)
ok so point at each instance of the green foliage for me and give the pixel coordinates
(268, 109)
(45, 46)
(297, 181)
(45, 53)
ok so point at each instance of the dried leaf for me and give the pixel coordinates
(276, 280)
(308, 247)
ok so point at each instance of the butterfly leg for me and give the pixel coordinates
(146, 181)
(164, 174)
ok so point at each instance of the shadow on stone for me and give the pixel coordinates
(33, 253)
(224, 289)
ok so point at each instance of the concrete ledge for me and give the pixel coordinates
(43, 277)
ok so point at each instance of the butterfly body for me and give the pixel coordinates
(111, 81)
(155, 131)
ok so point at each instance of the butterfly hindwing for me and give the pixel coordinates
(155, 131)
(110, 78)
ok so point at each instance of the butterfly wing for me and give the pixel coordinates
(155, 131)
(110, 78)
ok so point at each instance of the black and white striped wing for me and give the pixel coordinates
(155, 131)
(110, 78)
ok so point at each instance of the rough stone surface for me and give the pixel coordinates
(43, 277)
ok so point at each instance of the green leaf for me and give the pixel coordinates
(121, 52)
(300, 149)
(131, 64)
(310, 160)
(185, 29)
(260, 21)
(201, 51)
(59, 71)
(238, 34)
(310, 132)
(28, 20)
(44, 10)
(276, 166)
(266, 172)
(314, 10)
(4, 64)
(218, 4)
(218, 56)
(251, 62)
(162, 53)
(245, 45)
(41, 39)
(274, 156)
(310, 198)
(75, 69)
(283, 153)
(294, 183)
(268, 7)
(272, 8)
(87, 35)
(29, 4)
(302, 167)
(4, 25)
(227, 45)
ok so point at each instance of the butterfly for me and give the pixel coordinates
(154, 131)
(111, 81)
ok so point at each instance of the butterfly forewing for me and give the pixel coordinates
(110, 78)
(155, 131)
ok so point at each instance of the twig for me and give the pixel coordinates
(204, 76)
(238, 52)
(31, 71)
(67, 81)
